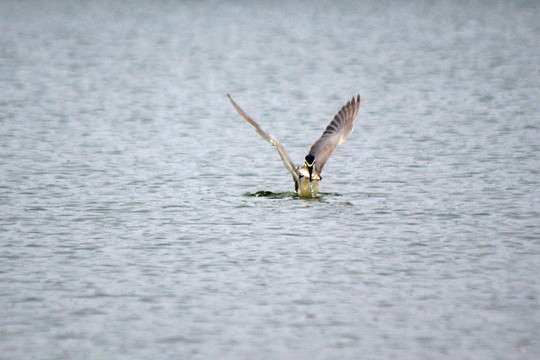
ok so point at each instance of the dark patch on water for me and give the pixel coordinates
(287, 194)
(273, 195)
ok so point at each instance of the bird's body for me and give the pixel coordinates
(307, 178)
(304, 186)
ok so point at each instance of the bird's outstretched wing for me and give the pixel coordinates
(266, 136)
(337, 131)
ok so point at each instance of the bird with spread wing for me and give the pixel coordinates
(306, 179)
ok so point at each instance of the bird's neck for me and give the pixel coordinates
(312, 176)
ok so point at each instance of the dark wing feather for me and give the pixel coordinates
(272, 140)
(337, 131)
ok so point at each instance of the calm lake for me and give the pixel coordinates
(142, 218)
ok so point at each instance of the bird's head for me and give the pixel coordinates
(309, 161)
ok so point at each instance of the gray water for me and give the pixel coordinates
(142, 218)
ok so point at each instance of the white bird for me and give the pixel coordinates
(306, 179)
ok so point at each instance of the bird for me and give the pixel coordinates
(307, 178)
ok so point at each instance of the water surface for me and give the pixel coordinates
(141, 217)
